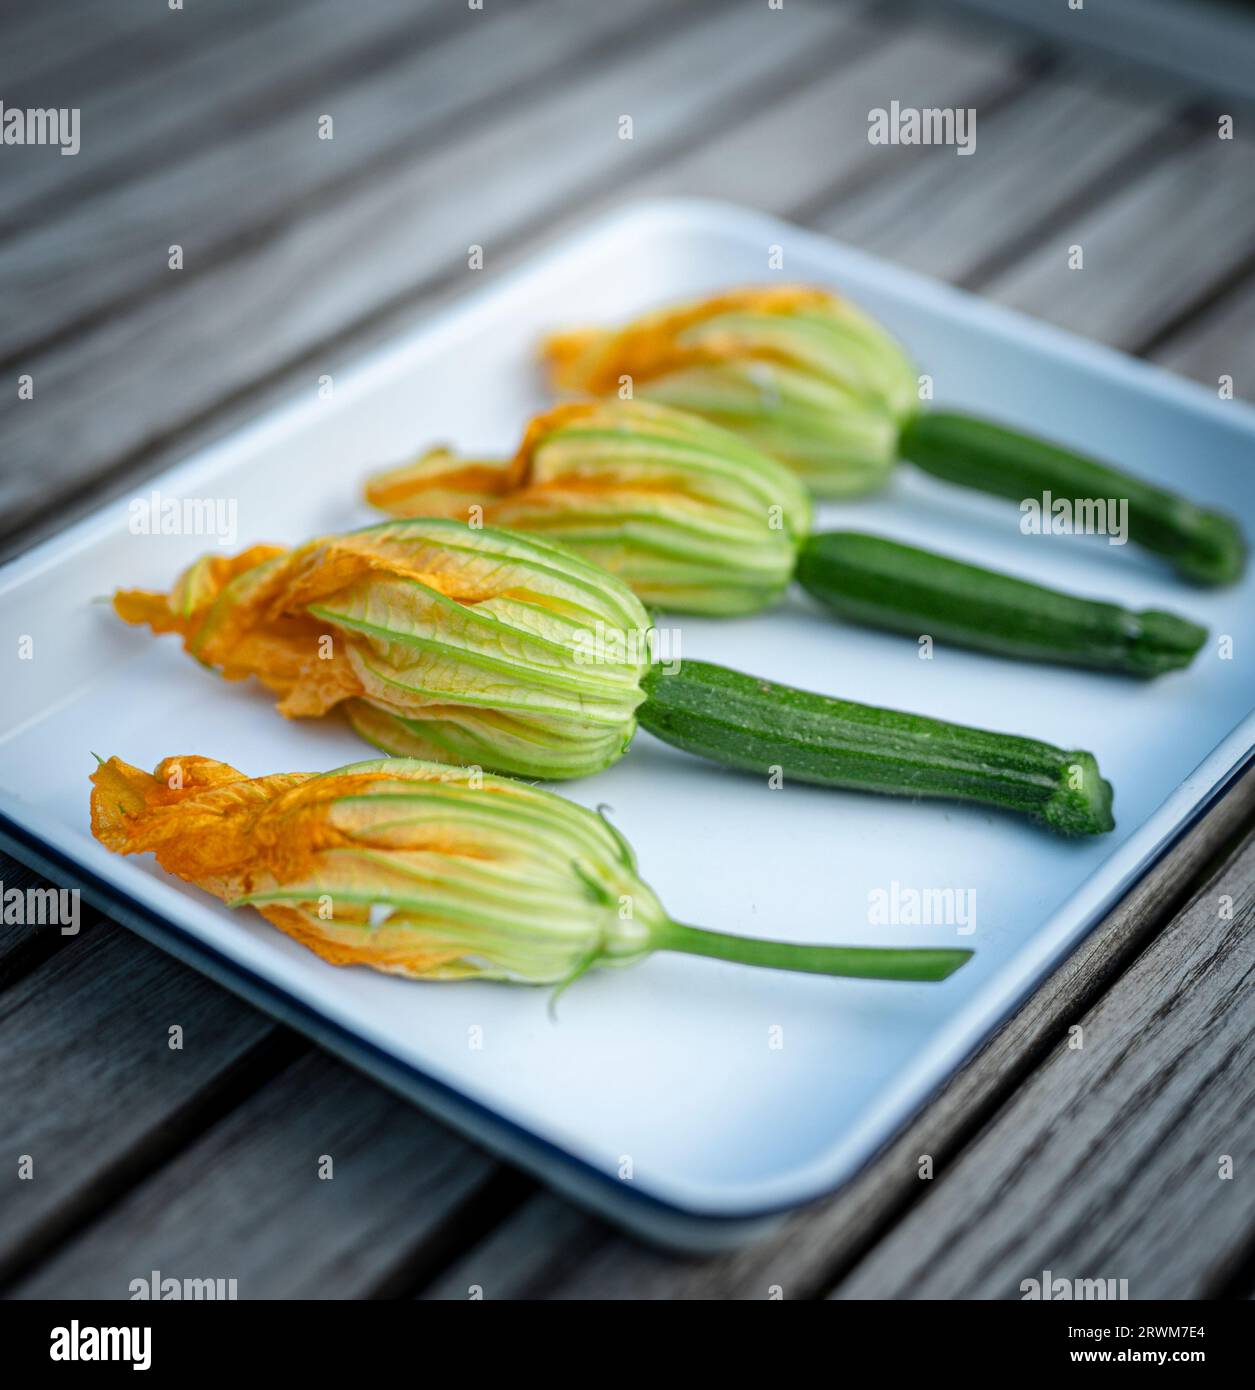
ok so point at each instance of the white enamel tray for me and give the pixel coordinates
(687, 1098)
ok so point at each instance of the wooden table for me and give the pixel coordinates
(499, 127)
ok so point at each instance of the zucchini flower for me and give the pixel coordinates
(803, 375)
(498, 651)
(436, 639)
(431, 872)
(690, 517)
(798, 373)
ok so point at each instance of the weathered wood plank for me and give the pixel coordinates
(60, 53)
(788, 154)
(270, 169)
(207, 87)
(1111, 1161)
(126, 385)
(92, 1090)
(527, 1255)
(1204, 48)
(812, 1248)
(1216, 343)
(249, 1199)
(1164, 244)
(955, 216)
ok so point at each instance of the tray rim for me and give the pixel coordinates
(665, 1219)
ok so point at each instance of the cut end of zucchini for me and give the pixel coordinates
(1217, 553)
(1164, 642)
(1081, 803)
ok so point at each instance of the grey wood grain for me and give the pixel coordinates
(249, 1200)
(270, 168)
(1065, 140)
(208, 89)
(531, 1257)
(126, 385)
(797, 150)
(59, 53)
(91, 1089)
(1206, 46)
(1167, 242)
(1110, 1161)
(1218, 342)
(526, 1256)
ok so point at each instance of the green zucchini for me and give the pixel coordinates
(1205, 546)
(756, 725)
(884, 584)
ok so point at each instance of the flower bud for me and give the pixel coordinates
(690, 517)
(799, 373)
(431, 872)
(438, 640)
(409, 867)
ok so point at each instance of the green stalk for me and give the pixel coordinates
(885, 584)
(856, 962)
(753, 724)
(1205, 546)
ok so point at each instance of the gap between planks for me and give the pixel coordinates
(213, 89)
(318, 1184)
(94, 1093)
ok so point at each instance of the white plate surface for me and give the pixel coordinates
(731, 1091)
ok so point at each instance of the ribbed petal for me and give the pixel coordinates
(690, 516)
(441, 640)
(412, 868)
(798, 372)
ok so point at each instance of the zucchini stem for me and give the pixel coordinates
(855, 962)
(748, 723)
(1206, 546)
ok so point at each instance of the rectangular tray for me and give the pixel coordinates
(727, 1094)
